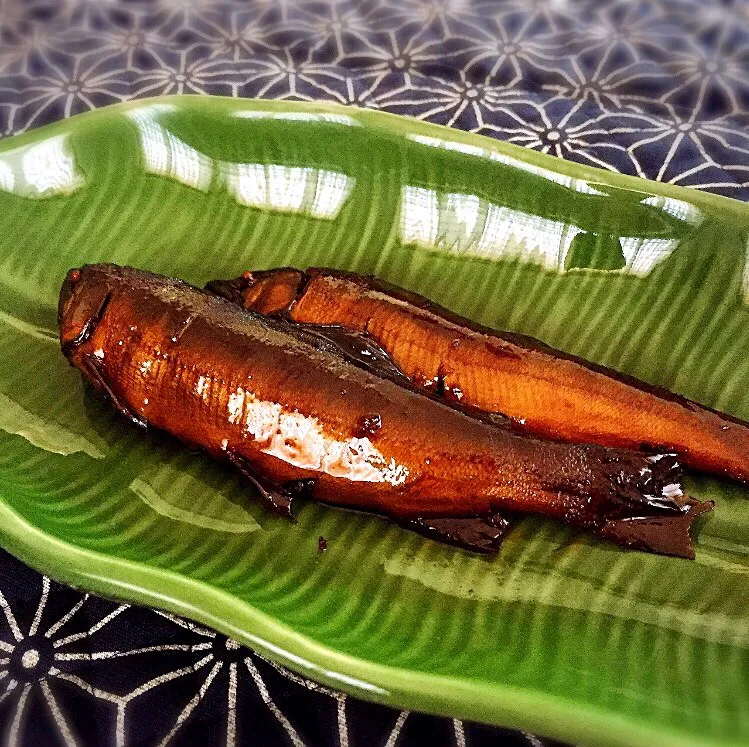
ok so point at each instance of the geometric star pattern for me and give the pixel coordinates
(646, 87)
(654, 88)
(79, 670)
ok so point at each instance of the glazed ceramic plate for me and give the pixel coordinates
(559, 634)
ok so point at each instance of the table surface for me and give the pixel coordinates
(654, 88)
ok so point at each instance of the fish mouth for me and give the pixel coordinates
(67, 291)
(84, 296)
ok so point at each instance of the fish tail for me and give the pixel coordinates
(646, 508)
(663, 534)
(652, 481)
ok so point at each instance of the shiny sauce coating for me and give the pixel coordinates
(267, 397)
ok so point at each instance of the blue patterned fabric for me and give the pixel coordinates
(656, 88)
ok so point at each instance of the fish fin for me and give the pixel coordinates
(277, 498)
(92, 364)
(666, 534)
(482, 534)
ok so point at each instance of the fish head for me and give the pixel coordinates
(266, 292)
(84, 296)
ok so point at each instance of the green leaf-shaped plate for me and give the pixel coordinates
(559, 634)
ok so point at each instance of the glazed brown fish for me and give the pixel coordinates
(293, 416)
(545, 392)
